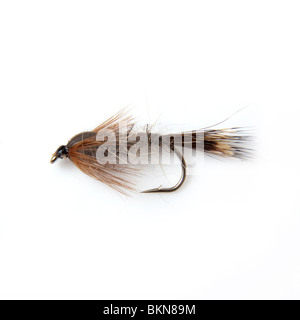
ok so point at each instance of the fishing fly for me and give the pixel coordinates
(113, 152)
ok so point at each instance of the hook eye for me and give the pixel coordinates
(53, 158)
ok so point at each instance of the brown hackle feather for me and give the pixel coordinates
(82, 152)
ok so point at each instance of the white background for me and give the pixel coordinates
(229, 233)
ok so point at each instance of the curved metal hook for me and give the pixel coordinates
(179, 183)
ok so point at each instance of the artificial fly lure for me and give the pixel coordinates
(112, 151)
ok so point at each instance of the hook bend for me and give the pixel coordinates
(180, 181)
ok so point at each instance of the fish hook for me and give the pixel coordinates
(179, 183)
